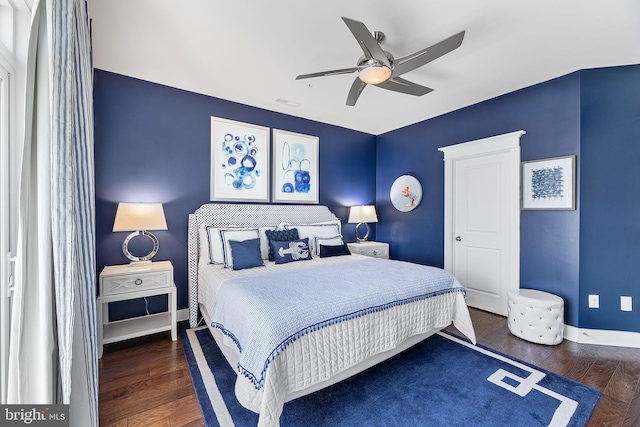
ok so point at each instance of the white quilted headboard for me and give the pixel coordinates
(242, 215)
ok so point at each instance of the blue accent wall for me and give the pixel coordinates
(152, 144)
(594, 114)
(610, 193)
(550, 114)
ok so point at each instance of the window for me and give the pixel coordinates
(14, 19)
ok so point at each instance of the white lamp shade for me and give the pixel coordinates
(365, 214)
(139, 217)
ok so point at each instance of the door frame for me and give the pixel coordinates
(509, 142)
(6, 212)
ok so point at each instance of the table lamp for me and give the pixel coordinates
(139, 218)
(362, 215)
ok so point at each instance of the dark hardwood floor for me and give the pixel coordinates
(145, 381)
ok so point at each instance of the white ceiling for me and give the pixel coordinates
(251, 51)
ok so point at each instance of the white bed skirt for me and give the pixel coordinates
(332, 354)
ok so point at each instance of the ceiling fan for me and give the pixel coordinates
(378, 67)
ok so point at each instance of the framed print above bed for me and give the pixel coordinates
(239, 161)
(549, 184)
(295, 167)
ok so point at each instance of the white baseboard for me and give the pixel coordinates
(602, 337)
(182, 314)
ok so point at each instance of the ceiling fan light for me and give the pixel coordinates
(374, 75)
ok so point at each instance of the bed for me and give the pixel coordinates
(305, 322)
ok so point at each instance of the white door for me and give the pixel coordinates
(482, 218)
(482, 230)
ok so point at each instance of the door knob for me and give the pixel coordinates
(458, 238)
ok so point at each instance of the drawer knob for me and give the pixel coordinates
(375, 252)
(138, 281)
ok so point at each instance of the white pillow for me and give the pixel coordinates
(264, 242)
(287, 225)
(213, 250)
(203, 238)
(214, 245)
(328, 241)
(237, 234)
(312, 231)
(208, 255)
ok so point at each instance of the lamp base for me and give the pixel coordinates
(141, 264)
(366, 236)
(147, 258)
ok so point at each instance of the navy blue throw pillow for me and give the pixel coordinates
(338, 250)
(296, 250)
(246, 254)
(280, 236)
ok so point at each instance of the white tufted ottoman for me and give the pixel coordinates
(536, 316)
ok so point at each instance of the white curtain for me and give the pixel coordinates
(32, 378)
(53, 356)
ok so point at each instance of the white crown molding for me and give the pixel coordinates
(497, 143)
(602, 337)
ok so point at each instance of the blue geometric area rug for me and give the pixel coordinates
(442, 381)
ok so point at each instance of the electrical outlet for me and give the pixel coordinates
(626, 304)
(594, 301)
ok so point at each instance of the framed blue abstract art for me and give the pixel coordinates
(549, 184)
(295, 167)
(239, 161)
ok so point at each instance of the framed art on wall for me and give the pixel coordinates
(239, 161)
(295, 167)
(405, 193)
(549, 184)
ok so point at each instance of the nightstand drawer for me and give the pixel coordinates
(135, 281)
(382, 252)
(371, 249)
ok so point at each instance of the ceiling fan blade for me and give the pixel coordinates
(329, 73)
(424, 56)
(398, 84)
(354, 93)
(367, 42)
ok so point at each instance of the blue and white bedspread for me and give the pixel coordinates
(265, 313)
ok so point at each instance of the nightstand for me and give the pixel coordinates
(125, 282)
(372, 249)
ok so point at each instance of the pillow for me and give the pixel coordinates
(203, 237)
(289, 251)
(237, 234)
(334, 250)
(328, 241)
(330, 229)
(264, 241)
(285, 225)
(280, 236)
(211, 251)
(214, 245)
(246, 253)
